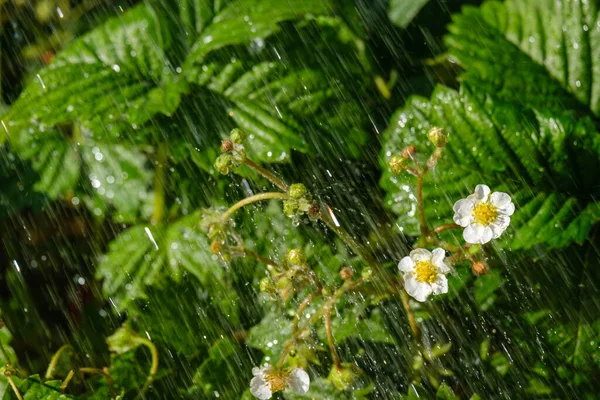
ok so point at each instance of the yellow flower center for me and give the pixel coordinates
(485, 213)
(277, 380)
(425, 271)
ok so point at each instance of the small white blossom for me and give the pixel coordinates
(483, 215)
(424, 273)
(268, 380)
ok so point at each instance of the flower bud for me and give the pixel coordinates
(408, 152)
(297, 191)
(343, 378)
(215, 247)
(346, 273)
(266, 285)
(237, 136)
(290, 207)
(296, 257)
(314, 210)
(226, 145)
(479, 268)
(224, 163)
(398, 164)
(437, 136)
(367, 274)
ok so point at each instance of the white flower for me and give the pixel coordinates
(268, 380)
(424, 273)
(483, 215)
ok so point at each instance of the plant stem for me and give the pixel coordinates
(14, 387)
(65, 383)
(329, 331)
(346, 287)
(260, 258)
(305, 303)
(153, 366)
(444, 227)
(55, 359)
(421, 205)
(268, 175)
(410, 315)
(253, 199)
(162, 155)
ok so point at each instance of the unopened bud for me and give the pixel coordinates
(398, 164)
(366, 274)
(290, 207)
(224, 163)
(437, 136)
(346, 273)
(297, 191)
(479, 268)
(266, 285)
(226, 145)
(215, 247)
(314, 210)
(409, 151)
(237, 136)
(296, 257)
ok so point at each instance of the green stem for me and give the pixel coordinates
(252, 199)
(55, 359)
(153, 366)
(65, 383)
(14, 387)
(329, 331)
(102, 372)
(412, 322)
(421, 205)
(305, 303)
(268, 175)
(162, 156)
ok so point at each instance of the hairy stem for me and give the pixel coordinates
(271, 177)
(444, 227)
(162, 154)
(153, 366)
(253, 199)
(14, 387)
(329, 331)
(55, 359)
(260, 258)
(421, 206)
(410, 316)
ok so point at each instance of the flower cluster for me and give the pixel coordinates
(268, 380)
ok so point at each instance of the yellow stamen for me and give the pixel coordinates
(425, 271)
(485, 213)
(277, 380)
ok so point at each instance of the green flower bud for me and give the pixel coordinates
(398, 164)
(266, 285)
(437, 136)
(367, 274)
(224, 163)
(123, 340)
(297, 190)
(290, 207)
(296, 257)
(237, 136)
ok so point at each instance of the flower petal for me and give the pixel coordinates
(420, 291)
(499, 199)
(437, 256)
(406, 264)
(482, 192)
(420, 255)
(463, 212)
(499, 226)
(440, 285)
(508, 209)
(477, 234)
(299, 381)
(260, 388)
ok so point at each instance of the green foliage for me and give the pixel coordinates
(537, 53)
(402, 12)
(33, 388)
(510, 150)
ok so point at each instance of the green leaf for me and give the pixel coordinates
(510, 150)
(445, 392)
(103, 173)
(541, 53)
(32, 388)
(270, 335)
(145, 256)
(244, 20)
(320, 389)
(485, 288)
(354, 321)
(116, 72)
(402, 12)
